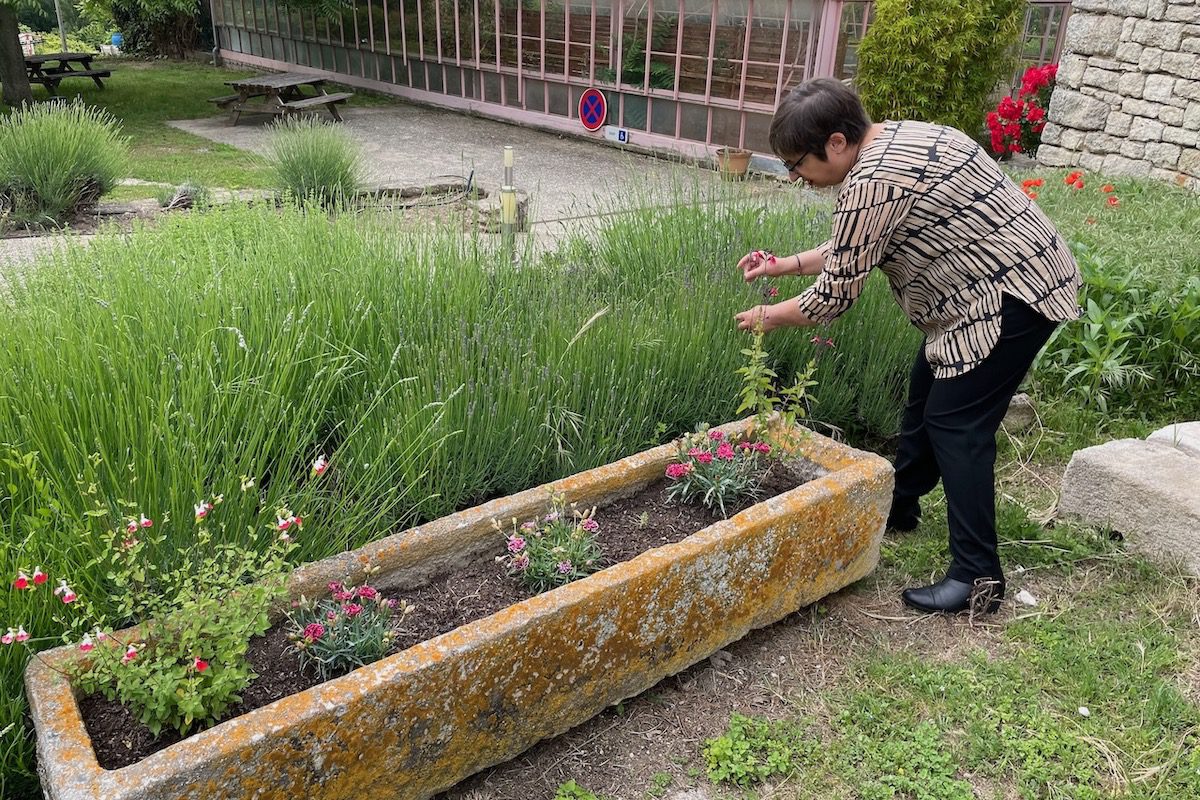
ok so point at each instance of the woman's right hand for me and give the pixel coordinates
(759, 263)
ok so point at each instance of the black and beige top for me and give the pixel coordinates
(953, 234)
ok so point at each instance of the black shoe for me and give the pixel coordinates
(950, 596)
(903, 523)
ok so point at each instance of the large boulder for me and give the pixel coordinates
(1182, 435)
(1149, 491)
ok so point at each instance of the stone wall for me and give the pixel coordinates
(1127, 101)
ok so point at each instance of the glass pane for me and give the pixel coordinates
(693, 122)
(727, 125)
(856, 15)
(662, 116)
(558, 100)
(758, 127)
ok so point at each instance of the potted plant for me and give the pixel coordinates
(733, 163)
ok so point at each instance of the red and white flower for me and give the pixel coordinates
(9, 637)
(142, 522)
(320, 465)
(200, 665)
(202, 508)
(22, 581)
(130, 654)
(284, 523)
(65, 592)
(87, 645)
(21, 634)
(39, 577)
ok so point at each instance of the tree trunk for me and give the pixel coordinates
(15, 80)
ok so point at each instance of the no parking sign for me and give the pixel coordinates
(593, 109)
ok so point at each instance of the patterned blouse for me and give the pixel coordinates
(952, 233)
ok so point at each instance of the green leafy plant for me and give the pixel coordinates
(354, 626)
(552, 550)
(315, 161)
(752, 750)
(938, 60)
(185, 663)
(56, 159)
(759, 395)
(715, 471)
(150, 27)
(573, 791)
(1133, 334)
(659, 783)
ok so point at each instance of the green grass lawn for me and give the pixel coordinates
(1152, 230)
(145, 96)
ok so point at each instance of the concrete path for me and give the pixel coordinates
(407, 145)
(16, 252)
(567, 179)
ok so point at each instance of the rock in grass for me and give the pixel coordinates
(1148, 491)
(1182, 435)
(1021, 414)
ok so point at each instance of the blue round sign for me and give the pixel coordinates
(593, 109)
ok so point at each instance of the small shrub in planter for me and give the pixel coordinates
(715, 471)
(185, 664)
(718, 472)
(56, 159)
(552, 550)
(354, 626)
(313, 160)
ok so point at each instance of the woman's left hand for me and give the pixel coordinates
(761, 314)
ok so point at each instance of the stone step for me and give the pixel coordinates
(1149, 491)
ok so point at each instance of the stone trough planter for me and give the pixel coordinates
(420, 721)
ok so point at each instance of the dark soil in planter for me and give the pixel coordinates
(441, 606)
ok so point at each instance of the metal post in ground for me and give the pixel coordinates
(508, 204)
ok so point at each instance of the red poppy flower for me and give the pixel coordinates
(1108, 188)
(1113, 201)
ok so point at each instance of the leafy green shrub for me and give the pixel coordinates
(313, 160)
(1134, 337)
(186, 662)
(753, 750)
(57, 158)
(937, 60)
(51, 42)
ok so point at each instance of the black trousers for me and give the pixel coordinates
(949, 432)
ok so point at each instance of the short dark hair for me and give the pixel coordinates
(814, 111)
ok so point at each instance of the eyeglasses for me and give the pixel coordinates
(795, 165)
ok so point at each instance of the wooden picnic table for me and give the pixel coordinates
(51, 69)
(282, 93)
